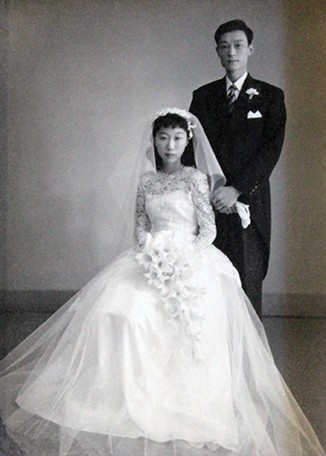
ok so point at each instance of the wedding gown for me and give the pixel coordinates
(126, 368)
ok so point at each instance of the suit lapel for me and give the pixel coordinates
(221, 106)
(220, 98)
(243, 98)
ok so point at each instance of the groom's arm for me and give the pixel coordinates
(267, 154)
(224, 198)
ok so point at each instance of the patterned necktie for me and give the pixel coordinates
(232, 96)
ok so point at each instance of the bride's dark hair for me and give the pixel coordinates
(173, 120)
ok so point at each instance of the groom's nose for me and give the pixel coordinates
(231, 50)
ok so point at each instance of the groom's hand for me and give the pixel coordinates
(225, 198)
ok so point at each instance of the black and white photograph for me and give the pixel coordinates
(162, 228)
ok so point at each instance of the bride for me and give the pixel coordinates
(161, 354)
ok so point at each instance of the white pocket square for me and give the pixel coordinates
(254, 115)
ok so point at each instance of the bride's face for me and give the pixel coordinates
(170, 144)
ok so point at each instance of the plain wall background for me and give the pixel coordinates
(84, 75)
(3, 141)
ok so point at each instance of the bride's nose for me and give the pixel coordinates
(171, 144)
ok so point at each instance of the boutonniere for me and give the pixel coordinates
(252, 92)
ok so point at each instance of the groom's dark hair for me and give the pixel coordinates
(232, 26)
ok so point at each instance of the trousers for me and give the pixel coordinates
(245, 249)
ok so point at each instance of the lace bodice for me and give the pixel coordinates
(178, 203)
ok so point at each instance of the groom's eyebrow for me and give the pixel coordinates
(240, 40)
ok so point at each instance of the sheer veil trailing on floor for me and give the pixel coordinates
(108, 374)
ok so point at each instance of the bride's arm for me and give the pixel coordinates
(143, 224)
(205, 213)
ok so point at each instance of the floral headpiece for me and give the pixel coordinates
(180, 112)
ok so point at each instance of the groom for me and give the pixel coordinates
(244, 119)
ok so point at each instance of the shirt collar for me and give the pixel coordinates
(238, 83)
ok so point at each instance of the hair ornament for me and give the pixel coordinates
(180, 112)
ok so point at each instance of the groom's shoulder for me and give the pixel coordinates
(210, 87)
(267, 89)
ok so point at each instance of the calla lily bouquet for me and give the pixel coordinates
(168, 268)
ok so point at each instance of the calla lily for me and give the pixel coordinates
(168, 269)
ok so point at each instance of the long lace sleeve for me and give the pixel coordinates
(205, 214)
(142, 221)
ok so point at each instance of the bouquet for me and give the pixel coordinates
(169, 269)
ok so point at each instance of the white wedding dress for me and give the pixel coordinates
(114, 373)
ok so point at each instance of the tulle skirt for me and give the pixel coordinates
(110, 374)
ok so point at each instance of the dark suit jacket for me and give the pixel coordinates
(247, 148)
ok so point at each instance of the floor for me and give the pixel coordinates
(298, 345)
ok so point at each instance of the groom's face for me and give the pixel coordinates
(233, 50)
